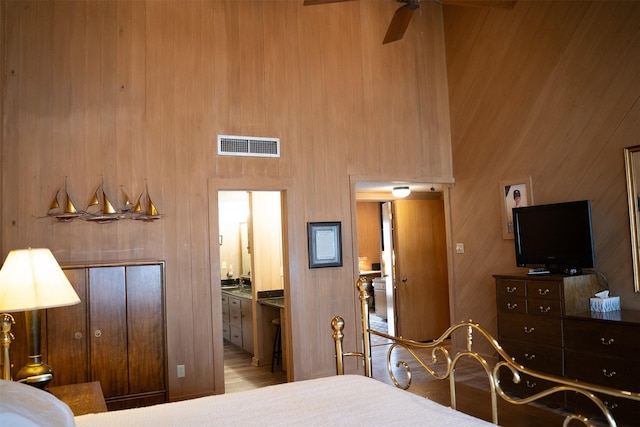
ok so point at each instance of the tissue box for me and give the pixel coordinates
(605, 304)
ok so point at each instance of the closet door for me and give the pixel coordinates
(108, 329)
(145, 325)
(66, 335)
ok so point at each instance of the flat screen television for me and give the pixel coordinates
(556, 237)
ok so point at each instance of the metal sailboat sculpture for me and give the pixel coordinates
(126, 205)
(105, 212)
(69, 211)
(144, 209)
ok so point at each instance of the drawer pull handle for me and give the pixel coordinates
(528, 330)
(606, 342)
(545, 309)
(545, 292)
(531, 384)
(529, 356)
(610, 405)
(78, 335)
(608, 374)
(512, 306)
(97, 333)
(511, 290)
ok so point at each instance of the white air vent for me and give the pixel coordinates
(229, 145)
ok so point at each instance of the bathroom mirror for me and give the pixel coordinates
(632, 166)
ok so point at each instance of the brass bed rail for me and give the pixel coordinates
(438, 347)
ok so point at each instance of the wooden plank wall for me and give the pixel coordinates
(549, 90)
(132, 91)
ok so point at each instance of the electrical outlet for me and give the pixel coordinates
(180, 370)
(460, 248)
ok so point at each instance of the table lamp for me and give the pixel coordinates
(31, 280)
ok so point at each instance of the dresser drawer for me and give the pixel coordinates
(536, 329)
(234, 302)
(511, 287)
(225, 313)
(538, 357)
(624, 411)
(544, 290)
(512, 304)
(226, 331)
(544, 307)
(236, 336)
(606, 338)
(235, 317)
(603, 370)
(529, 386)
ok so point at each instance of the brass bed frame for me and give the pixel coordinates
(438, 347)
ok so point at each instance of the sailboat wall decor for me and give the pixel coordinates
(126, 204)
(66, 211)
(105, 211)
(100, 209)
(144, 209)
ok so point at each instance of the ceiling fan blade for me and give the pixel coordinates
(400, 22)
(313, 2)
(503, 4)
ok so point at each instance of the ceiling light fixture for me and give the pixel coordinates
(401, 192)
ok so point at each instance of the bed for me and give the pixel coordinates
(355, 400)
(442, 365)
(335, 400)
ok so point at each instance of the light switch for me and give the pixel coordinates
(459, 248)
(181, 373)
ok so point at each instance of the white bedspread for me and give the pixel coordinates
(348, 400)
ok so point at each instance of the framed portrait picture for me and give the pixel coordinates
(513, 193)
(325, 244)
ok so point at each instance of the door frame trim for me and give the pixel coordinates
(214, 186)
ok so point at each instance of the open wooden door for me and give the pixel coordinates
(421, 282)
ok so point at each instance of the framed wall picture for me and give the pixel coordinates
(325, 244)
(513, 193)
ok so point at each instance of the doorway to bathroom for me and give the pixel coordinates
(251, 261)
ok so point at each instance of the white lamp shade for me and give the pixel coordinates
(31, 279)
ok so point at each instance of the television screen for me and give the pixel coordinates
(557, 237)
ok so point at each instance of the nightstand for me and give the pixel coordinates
(82, 398)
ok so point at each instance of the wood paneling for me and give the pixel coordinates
(136, 91)
(130, 91)
(548, 90)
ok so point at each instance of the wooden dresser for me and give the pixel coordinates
(604, 349)
(545, 324)
(116, 335)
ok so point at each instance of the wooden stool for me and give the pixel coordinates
(277, 344)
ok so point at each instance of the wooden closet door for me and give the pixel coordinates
(422, 286)
(108, 329)
(66, 335)
(145, 313)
